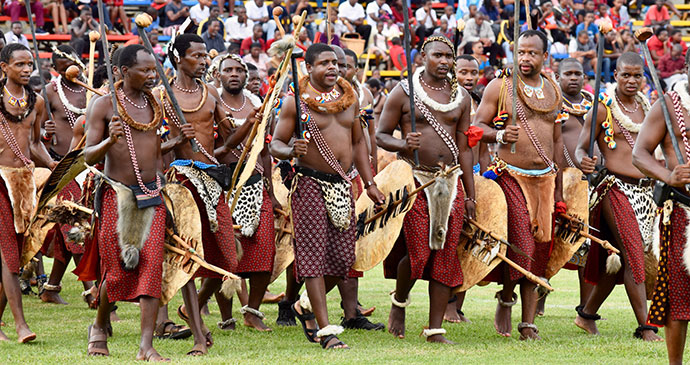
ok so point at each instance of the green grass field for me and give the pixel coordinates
(62, 333)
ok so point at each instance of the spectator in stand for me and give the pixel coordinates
(303, 40)
(567, 19)
(612, 51)
(258, 12)
(200, 11)
(175, 13)
(337, 29)
(117, 11)
(155, 23)
(490, 9)
(377, 11)
(477, 51)
(239, 26)
(426, 21)
(397, 54)
(548, 22)
(214, 13)
(352, 15)
(398, 13)
(583, 49)
(259, 59)
(253, 79)
(676, 37)
(657, 15)
(657, 44)
(16, 9)
(445, 30)
(380, 47)
(602, 14)
(672, 66)
(628, 42)
(476, 29)
(298, 8)
(59, 14)
(588, 25)
(449, 16)
(256, 37)
(619, 15)
(16, 35)
(79, 29)
(488, 74)
(391, 30)
(155, 45)
(213, 38)
(472, 11)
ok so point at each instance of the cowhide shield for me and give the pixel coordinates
(283, 237)
(40, 226)
(376, 240)
(567, 240)
(179, 269)
(477, 250)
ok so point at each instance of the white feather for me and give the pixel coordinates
(613, 264)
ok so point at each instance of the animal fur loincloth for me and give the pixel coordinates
(627, 222)
(247, 212)
(258, 250)
(339, 203)
(441, 265)
(11, 242)
(321, 248)
(672, 289)
(443, 193)
(145, 278)
(527, 231)
(207, 188)
(21, 190)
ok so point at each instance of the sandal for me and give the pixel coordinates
(310, 333)
(334, 346)
(169, 330)
(197, 352)
(153, 356)
(94, 339)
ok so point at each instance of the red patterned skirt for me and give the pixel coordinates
(11, 243)
(219, 246)
(321, 249)
(629, 231)
(145, 279)
(520, 234)
(259, 250)
(57, 243)
(442, 265)
(357, 190)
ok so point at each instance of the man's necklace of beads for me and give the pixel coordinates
(531, 90)
(331, 95)
(15, 101)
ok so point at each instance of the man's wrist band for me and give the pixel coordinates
(499, 136)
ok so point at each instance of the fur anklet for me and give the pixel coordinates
(589, 317)
(506, 304)
(247, 309)
(51, 287)
(331, 329)
(428, 332)
(397, 303)
(304, 301)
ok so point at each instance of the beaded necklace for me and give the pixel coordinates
(581, 108)
(325, 97)
(522, 118)
(321, 143)
(12, 141)
(59, 84)
(15, 101)
(173, 117)
(531, 90)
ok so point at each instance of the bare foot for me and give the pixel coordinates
(114, 317)
(25, 335)
(452, 314)
(529, 334)
(52, 297)
(272, 298)
(541, 304)
(3, 336)
(151, 355)
(439, 339)
(255, 322)
(199, 349)
(588, 325)
(650, 336)
(502, 321)
(366, 311)
(396, 321)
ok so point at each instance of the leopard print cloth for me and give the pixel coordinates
(209, 190)
(337, 197)
(642, 202)
(247, 212)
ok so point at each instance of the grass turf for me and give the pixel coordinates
(62, 332)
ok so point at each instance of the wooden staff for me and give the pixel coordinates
(516, 36)
(72, 75)
(531, 277)
(407, 39)
(53, 139)
(93, 38)
(604, 243)
(604, 27)
(106, 55)
(277, 12)
(328, 22)
(142, 21)
(366, 68)
(194, 256)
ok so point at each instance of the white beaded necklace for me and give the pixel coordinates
(65, 100)
(426, 99)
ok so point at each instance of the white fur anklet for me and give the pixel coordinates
(304, 301)
(250, 310)
(428, 332)
(331, 329)
(399, 304)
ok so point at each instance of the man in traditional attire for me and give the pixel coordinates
(331, 140)
(21, 111)
(254, 209)
(443, 123)
(201, 173)
(621, 204)
(527, 177)
(69, 104)
(131, 213)
(671, 299)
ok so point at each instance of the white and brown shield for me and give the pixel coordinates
(283, 229)
(179, 269)
(40, 225)
(377, 237)
(476, 249)
(567, 238)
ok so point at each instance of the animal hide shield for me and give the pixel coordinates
(478, 254)
(376, 239)
(567, 240)
(440, 197)
(39, 226)
(285, 254)
(178, 269)
(66, 170)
